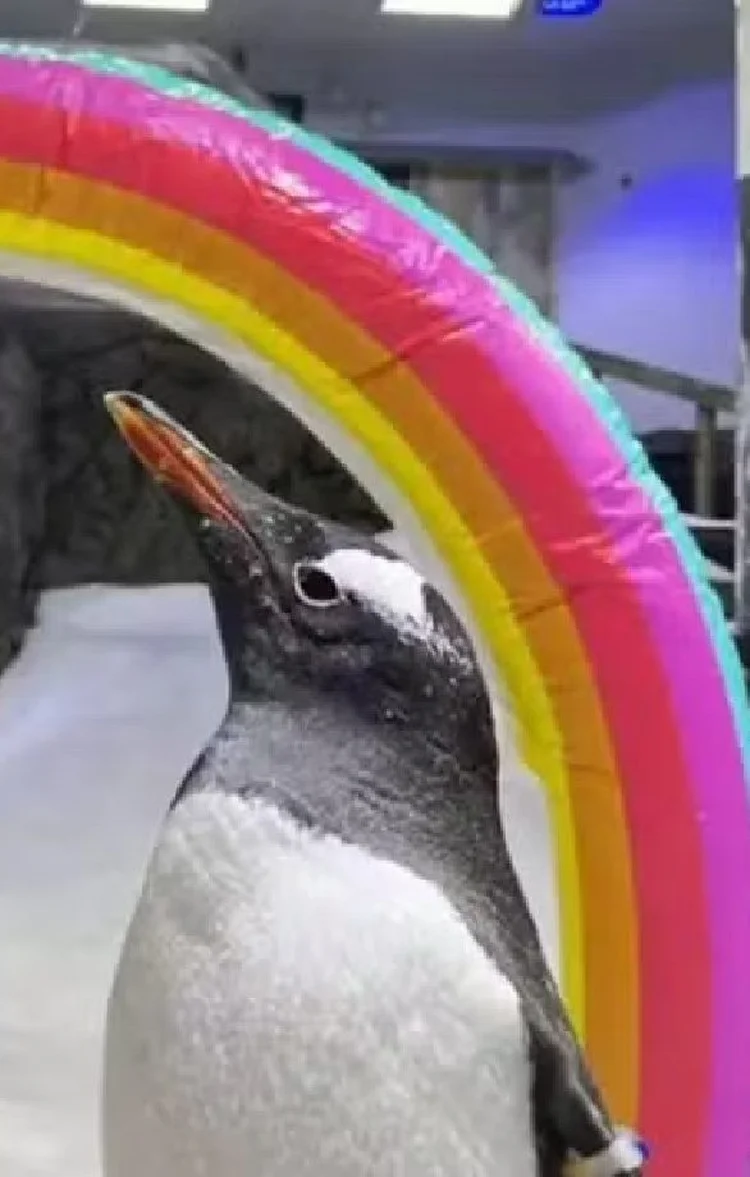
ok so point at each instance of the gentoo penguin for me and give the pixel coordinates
(332, 970)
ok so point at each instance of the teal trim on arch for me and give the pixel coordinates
(173, 86)
(613, 421)
(603, 404)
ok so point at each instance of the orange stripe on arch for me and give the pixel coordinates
(609, 911)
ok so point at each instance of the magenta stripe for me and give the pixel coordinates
(564, 414)
(706, 722)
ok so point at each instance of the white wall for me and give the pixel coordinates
(650, 272)
(742, 9)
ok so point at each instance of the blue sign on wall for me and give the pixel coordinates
(568, 8)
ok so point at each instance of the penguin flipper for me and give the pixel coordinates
(574, 1136)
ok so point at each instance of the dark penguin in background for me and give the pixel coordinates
(332, 969)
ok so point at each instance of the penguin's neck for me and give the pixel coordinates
(381, 785)
(385, 789)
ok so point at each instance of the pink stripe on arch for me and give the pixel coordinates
(552, 397)
(706, 722)
(561, 411)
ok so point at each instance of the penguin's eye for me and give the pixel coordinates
(315, 587)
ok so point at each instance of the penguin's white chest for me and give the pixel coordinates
(287, 1005)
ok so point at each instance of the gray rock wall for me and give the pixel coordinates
(75, 507)
(22, 493)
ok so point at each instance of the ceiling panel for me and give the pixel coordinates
(345, 51)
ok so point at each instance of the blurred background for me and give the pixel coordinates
(594, 159)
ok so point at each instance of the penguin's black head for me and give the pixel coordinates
(308, 605)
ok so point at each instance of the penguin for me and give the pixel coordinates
(332, 969)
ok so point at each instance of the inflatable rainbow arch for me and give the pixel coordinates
(473, 424)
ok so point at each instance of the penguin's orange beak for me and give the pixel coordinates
(174, 457)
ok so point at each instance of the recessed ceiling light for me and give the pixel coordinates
(475, 9)
(150, 5)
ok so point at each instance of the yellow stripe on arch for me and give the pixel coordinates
(343, 401)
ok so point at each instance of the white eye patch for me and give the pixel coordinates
(394, 591)
(391, 588)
